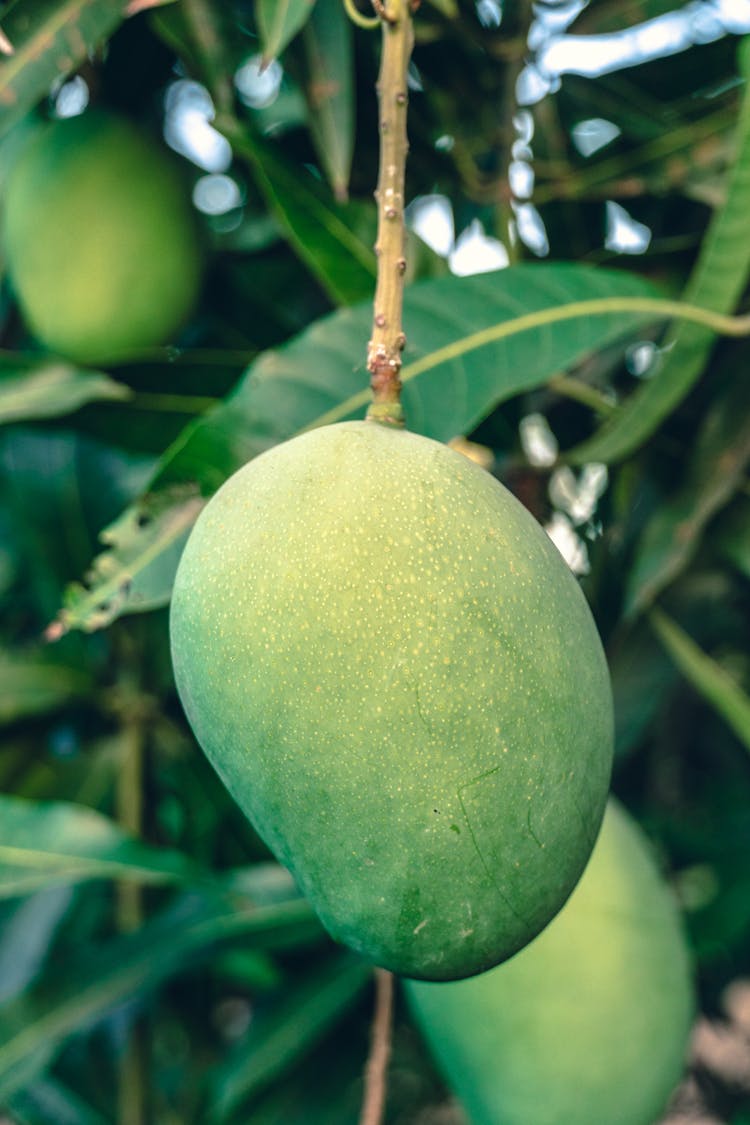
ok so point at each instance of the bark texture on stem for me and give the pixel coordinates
(388, 339)
(133, 1071)
(373, 1105)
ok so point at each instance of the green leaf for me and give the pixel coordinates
(717, 282)
(329, 89)
(448, 8)
(674, 532)
(50, 389)
(29, 928)
(32, 686)
(324, 234)
(279, 1036)
(707, 676)
(49, 39)
(210, 45)
(51, 843)
(143, 548)
(470, 347)
(732, 537)
(278, 22)
(48, 1100)
(75, 995)
(31, 1065)
(642, 677)
(473, 343)
(324, 1088)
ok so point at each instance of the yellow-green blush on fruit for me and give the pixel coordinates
(400, 682)
(100, 238)
(589, 1024)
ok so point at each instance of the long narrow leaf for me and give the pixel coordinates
(674, 532)
(50, 389)
(209, 34)
(707, 677)
(732, 537)
(49, 39)
(281, 1035)
(329, 88)
(27, 934)
(33, 1028)
(45, 843)
(30, 686)
(278, 23)
(321, 231)
(717, 281)
(48, 1100)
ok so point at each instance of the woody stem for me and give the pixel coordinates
(388, 340)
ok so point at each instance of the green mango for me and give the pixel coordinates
(400, 682)
(589, 1024)
(100, 238)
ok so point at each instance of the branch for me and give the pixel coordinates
(388, 339)
(373, 1103)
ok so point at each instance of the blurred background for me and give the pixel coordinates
(155, 964)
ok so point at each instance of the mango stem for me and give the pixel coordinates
(388, 339)
(373, 1103)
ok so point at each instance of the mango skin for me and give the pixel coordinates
(587, 1025)
(400, 682)
(100, 239)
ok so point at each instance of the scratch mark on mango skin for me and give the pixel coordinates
(413, 683)
(532, 833)
(482, 860)
(591, 831)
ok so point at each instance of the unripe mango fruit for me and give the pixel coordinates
(589, 1024)
(100, 239)
(400, 682)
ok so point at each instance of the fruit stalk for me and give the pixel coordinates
(133, 1067)
(373, 1103)
(388, 339)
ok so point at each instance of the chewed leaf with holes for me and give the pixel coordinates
(137, 568)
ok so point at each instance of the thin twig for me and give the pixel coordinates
(129, 800)
(373, 1103)
(388, 339)
(367, 22)
(133, 1067)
